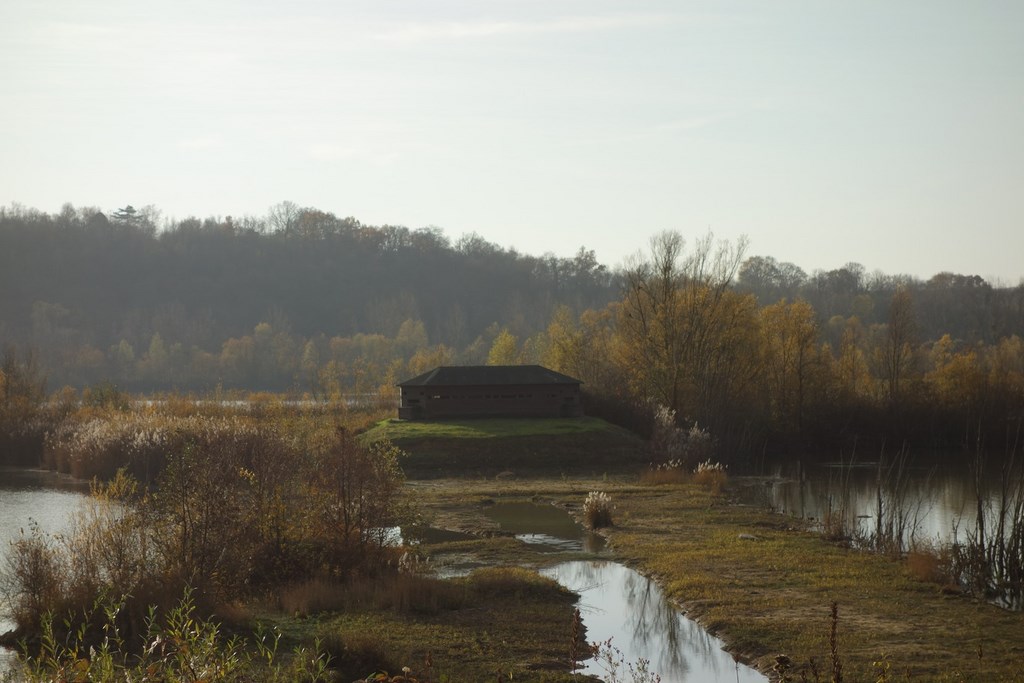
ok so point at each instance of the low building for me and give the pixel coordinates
(490, 391)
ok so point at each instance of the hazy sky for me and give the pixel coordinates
(890, 133)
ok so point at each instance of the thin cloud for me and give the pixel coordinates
(428, 31)
(202, 142)
(77, 33)
(656, 131)
(334, 153)
(691, 123)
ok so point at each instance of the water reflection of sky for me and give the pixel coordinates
(28, 496)
(934, 502)
(545, 527)
(619, 603)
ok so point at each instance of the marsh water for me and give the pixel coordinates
(616, 602)
(620, 604)
(27, 498)
(938, 504)
(543, 527)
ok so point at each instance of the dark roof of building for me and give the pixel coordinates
(477, 375)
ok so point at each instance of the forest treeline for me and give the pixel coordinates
(252, 303)
(758, 351)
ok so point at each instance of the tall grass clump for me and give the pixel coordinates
(711, 475)
(707, 474)
(671, 472)
(597, 510)
(933, 564)
(989, 561)
(97, 442)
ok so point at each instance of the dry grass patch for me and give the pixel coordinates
(767, 589)
(401, 593)
(765, 584)
(662, 476)
(515, 625)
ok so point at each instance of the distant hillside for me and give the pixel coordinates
(98, 294)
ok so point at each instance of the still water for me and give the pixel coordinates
(938, 504)
(544, 527)
(619, 603)
(30, 497)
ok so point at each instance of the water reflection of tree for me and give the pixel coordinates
(935, 500)
(646, 624)
(654, 624)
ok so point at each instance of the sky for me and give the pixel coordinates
(885, 133)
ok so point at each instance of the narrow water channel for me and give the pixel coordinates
(620, 604)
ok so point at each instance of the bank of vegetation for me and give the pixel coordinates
(223, 503)
(274, 515)
(767, 357)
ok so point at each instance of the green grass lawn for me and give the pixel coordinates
(491, 446)
(486, 428)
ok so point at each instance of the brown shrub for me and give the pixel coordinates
(928, 564)
(312, 597)
(714, 480)
(355, 654)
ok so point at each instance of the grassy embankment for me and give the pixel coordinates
(496, 447)
(758, 580)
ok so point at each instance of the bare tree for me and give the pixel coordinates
(900, 335)
(284, 217)
(675, 304)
